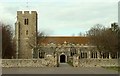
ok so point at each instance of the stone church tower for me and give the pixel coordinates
(25, 34)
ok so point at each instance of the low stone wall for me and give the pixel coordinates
(29, 63)
(96, 62)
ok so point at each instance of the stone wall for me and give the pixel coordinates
(29, 62)
(94, 62)
(98, 62)
(75, 61)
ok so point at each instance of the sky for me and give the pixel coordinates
(62, 17)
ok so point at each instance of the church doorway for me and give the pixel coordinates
(62, 58)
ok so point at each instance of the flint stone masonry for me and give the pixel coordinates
(76, 61)
(95, 62)
(25, 33)
(29, 63)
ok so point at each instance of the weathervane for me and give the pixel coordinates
(27, 4)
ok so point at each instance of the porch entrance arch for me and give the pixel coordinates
(62, 58)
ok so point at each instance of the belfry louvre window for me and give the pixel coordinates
(26, 21)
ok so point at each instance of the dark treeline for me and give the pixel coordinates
(106, 39)
(8, 45)
(8, 41)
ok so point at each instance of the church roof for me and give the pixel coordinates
(62, 39)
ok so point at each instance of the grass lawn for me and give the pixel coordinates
(113, 68)
(70, 63)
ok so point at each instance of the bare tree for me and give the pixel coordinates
(94, 35)
(0, 42)
(35, 45)
(119, 40)
(104, 38)
(80, 34)
(8, 49)
(41, 36)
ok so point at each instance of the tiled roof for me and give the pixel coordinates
(62, 39)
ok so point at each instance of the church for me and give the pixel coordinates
(29, 46)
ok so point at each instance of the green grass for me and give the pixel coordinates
(70, 63)
(113, 68)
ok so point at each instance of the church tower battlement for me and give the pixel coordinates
(25, 33)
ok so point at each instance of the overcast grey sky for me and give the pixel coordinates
(63, 17)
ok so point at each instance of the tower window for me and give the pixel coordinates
(27, 32)
(26, 21)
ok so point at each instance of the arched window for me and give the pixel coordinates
(94, 55)
(83, 55)
(114, 55)
(26, 21)
(41, 54)
(73, 51)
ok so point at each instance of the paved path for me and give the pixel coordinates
(63, 69)
(64, 65)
